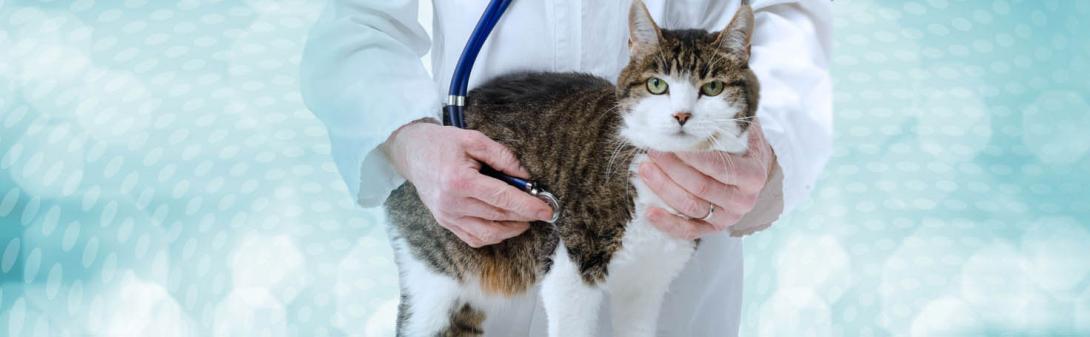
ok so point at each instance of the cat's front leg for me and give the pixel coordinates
(571, 305)
(640, 275)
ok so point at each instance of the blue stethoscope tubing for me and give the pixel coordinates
(454, 110)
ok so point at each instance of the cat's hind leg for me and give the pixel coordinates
(571, 305)
(432, 304)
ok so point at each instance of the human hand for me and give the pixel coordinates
(694, 182)
(444, 163)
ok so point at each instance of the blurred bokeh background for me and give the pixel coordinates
(161, 177)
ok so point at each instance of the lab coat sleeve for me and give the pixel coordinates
(361, 75)
(790, 56)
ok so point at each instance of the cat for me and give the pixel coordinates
(583, 137)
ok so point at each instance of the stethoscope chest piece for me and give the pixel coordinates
(550, 199)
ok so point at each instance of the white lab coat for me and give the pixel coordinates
(362, 76)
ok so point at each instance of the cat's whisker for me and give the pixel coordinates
(733, 119)
(612, 158)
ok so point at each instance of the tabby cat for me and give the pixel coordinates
(583, 137)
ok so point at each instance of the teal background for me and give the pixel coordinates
(161, 177)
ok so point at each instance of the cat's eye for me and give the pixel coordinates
(712, 88)
(656, 86)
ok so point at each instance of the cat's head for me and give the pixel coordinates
(687, 90)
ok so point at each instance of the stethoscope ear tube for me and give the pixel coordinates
(453, 111)
(459, 81)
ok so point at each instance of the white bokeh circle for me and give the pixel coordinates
(250, 312)
(114, 105)
(953, 125)
(996, 284)
(795, 312)
(274, 263)
(904, 288)
(1054, 127)
(135, 307)
(49, 56)
(1056, 250)
(946, 316)
(819, 263)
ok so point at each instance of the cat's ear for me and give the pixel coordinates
(736, 37)
(643, 33)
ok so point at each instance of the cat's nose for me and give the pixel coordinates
(682, 117)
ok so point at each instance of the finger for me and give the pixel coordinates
(493, 154)
(722, 218)
(693, 181)
(726, 168)
(704, 187)
(670, 192)
(677, 226)
(479, 209)
(492, 232)
(501, 195)
(458, 230)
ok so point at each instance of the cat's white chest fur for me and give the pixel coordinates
(642, 240)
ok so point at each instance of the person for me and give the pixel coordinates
(363, 77)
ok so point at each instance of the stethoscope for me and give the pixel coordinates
(453, 111)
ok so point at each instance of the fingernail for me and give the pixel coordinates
(545, 215)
